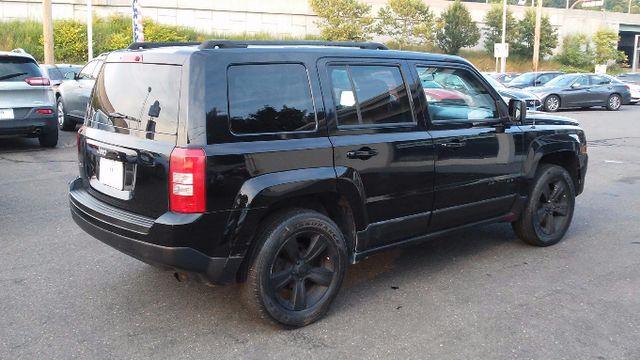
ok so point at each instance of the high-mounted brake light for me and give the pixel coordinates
(131, 57)
(187, 190)
(37, 81)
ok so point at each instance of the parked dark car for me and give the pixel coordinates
(532, 100)
(73, 95)
(533, 79)
(278, 165)
(56, 72)
(27, 106)
(582, 91)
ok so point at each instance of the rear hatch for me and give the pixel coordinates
(17, 96)
(130, 130)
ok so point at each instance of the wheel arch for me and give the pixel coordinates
(560, 149)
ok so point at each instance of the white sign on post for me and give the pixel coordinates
(501, 50)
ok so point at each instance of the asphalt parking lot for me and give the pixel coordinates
(478, 294)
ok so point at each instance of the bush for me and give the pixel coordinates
(576, 53)
(407, 22)
(525, 36)
(343, 19)
(605, 47)
(493, 28)
(456, 29)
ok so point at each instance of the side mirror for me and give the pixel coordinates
(517, 110)
(70, 76)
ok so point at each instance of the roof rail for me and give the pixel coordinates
(155, 45)
(230, 44)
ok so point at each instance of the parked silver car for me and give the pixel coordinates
(56, 72)
(532, 101)
(27, 102)
(72, 96)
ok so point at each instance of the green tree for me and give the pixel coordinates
(576, 52)
(605, 47)
(493, 28)
(407, 22)
(525, 38)
(343, 19)
(456, 29)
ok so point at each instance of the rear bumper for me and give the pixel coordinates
(31, 126)
(134, 235)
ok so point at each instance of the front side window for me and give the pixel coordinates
(370, 95)
(581, 81)
(270, 98)
(544, 78)
(459, 97)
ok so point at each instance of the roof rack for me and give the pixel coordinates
(155, 45)
(231, 44)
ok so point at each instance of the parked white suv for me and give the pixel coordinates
(27, 102)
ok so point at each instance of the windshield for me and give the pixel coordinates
(524, 78)
(495, 83)
(562, 81)
(18, 69)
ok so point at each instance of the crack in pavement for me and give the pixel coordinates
(16, 161)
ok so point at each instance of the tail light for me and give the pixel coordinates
(187, 191)
(78, 134)
(44, 111)
(37, 81)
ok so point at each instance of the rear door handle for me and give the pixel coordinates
(454, 144)
(362, 153)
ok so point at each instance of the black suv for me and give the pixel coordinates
(277, 164)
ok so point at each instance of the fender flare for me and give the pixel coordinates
(549, 144)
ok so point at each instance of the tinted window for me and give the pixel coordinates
(54, 73)
(136, 96)
(270, 98)
(461, 96)
(599, 80)
(370, 95)
(543, 79)
(17, 68)
(582, 81)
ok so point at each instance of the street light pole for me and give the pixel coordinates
(47, 31)
(536, 41)
(503, 59)
(89, 30)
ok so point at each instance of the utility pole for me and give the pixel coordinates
(89, 30)
(629, 6)
(536, 41)
(503, 59)
(47, 31)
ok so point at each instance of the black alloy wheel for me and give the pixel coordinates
(549, 209)
(298, 263)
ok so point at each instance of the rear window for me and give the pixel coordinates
(17, 68)
(141, 97)
(270, 98)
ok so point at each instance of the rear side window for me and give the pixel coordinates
(18, 68)
(270, 98)
(370, 95)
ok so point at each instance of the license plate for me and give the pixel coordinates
(111, 173)
(6, 114)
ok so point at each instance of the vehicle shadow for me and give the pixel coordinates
(217, 306)
(19, 144)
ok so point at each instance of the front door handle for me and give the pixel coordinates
(454, 144)
(363, 153)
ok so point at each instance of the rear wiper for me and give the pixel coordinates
(9, 76)
(118, 115)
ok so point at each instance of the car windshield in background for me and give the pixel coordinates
(54, 73)
(562, 81)
(629, 77)
(18, 69)
(495, 83)
(524, 78)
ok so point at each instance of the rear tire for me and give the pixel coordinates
(614, 102)
(549, 209)
(552, 103)
(49, 139)
(64, 122)
(298, 269)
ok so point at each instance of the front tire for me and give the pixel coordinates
(549, 209)
(552, 103)
(298, 269)
(614, 102)
(64, 122)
